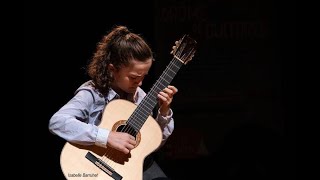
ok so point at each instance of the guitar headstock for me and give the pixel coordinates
(185, 49)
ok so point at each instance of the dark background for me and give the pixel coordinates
(235, 110)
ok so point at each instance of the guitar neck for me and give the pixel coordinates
(144, 109)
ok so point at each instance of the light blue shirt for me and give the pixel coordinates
(78, 120)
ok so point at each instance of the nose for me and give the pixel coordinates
(140, 83)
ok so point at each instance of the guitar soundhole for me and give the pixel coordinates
(122, 126)
(128, 129)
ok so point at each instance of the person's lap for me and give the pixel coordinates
(154, 172)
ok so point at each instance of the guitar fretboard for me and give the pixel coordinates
(144, 109)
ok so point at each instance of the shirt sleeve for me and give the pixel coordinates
(71, 122)
(166, 124)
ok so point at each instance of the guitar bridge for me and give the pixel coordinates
(103, 166)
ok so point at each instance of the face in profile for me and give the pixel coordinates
(129, 78)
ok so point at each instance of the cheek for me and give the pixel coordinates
(119, 80)
(125, 81)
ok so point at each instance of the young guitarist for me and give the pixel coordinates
(117, 69)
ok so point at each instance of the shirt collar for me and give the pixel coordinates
(113, 95)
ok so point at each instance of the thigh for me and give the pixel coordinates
(154, 172)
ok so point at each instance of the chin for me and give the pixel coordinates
(132, 90)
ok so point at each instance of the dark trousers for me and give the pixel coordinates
(152, 171)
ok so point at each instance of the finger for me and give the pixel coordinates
(162, 97)
(173, 88)
(132, 137)
(132, 142)
(168, 91)
(129, 146)
(124, 150)
(166, 95)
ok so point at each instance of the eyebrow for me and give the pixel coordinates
(138, 75)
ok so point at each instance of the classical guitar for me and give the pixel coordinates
(93, 162)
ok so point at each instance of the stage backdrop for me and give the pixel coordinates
(229, 110)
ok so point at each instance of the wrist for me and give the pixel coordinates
(164, 111)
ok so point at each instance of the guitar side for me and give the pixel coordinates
(75, 165)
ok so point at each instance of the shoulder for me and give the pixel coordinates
(88, 89)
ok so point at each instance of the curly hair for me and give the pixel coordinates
(118, 47)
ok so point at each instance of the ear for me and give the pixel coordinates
(111, 68)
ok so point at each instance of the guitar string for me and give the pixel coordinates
(138, 123)
(109, 153)
(134, 115)
(157, 88)
(107, 157)
(171, 64)
(166, 72)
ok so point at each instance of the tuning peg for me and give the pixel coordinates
(175, 47)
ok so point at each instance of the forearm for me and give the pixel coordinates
(74, 123)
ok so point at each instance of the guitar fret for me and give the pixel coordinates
(144, 109)
(149, 101)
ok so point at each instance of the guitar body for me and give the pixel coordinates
(93, 162)
(75, 165)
